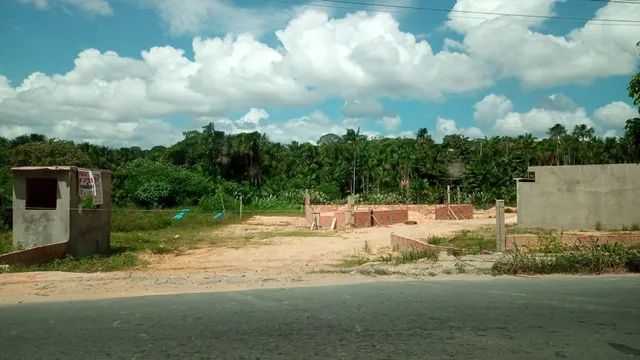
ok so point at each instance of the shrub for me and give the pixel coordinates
(437, 240)
(593, 259)
(218, 202)
(157, 184)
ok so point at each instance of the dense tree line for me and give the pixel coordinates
(208, 166)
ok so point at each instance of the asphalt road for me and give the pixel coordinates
(575, 318)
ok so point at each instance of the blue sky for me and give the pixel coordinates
(122, 72)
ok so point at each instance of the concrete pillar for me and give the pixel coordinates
(501, 231)
(349, 216)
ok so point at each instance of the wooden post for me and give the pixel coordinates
(240, 207)
(458, 189)
(448, 195)
(307, 198)
(501, 232)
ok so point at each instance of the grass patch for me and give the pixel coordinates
(513, 229)
(437, 240)
(193, 230)
(394, 258)
(127, 221)
(113, 262)
(274, 212)
(407, 257)
(578, 259)
(473, 242)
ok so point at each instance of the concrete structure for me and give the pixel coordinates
(597, 197)
(47, 209)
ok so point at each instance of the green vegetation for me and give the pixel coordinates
(579, 259)
(411, 256)
(213, 170)
(394, 258)
(6, 244)
(437, 240)
(116, 261)
(468, 242)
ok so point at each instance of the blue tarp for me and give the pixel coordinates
(181, 214)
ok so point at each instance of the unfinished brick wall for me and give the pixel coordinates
(460, 211)
(387, 214)
(388, 217)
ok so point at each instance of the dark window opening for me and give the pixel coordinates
(42, 194)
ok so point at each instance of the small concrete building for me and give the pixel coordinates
(56, 204)
(601, 197)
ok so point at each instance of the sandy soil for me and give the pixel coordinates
(269, 261)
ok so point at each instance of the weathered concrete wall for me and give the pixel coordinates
(581, 197)
(90, 228)
(403, 243)
(36, 255)
(87, 231)
(40, 227)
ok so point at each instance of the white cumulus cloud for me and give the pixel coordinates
(390, 123)
(615, 114)
(89, 7)
(491, 108)
(189, 17)
(360, 56)
(446, 127)
(515, 48)
(308, 128)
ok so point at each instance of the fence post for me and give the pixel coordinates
(501, 232)
(240, 207)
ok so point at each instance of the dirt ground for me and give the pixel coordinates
(268, 261)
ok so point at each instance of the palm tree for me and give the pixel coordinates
(557, 132)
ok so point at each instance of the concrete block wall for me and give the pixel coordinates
(580, 197)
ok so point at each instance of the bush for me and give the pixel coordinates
(579, 259)
(218, 202)
(157, 184)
